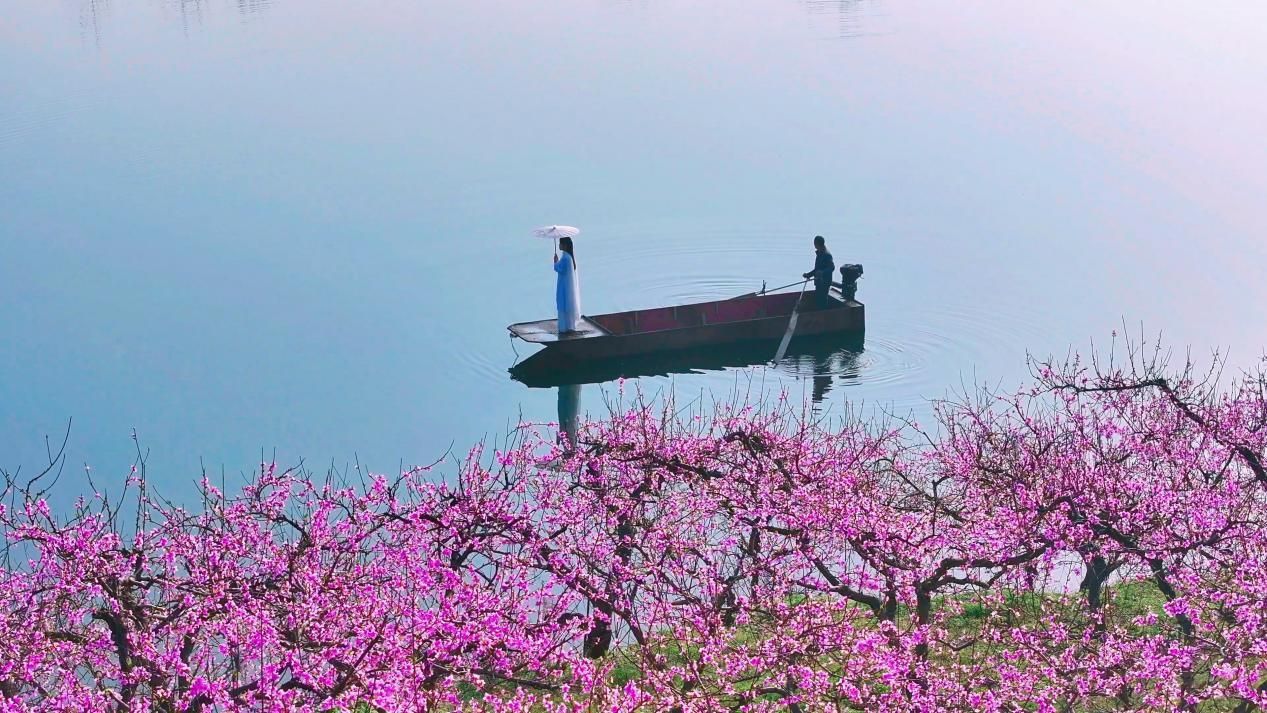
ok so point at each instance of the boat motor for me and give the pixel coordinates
(848, 284)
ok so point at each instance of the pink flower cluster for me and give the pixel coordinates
(1095, 542)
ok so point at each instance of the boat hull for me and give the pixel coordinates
(696, 326)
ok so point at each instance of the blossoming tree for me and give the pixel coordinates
(1096, 541)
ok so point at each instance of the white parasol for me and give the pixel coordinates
(554, 232)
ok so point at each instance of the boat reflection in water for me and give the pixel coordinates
(823, 359)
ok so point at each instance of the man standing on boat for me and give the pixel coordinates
(824, 268)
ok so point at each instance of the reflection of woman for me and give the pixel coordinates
(567, 293)
(569, 414)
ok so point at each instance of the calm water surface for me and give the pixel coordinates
(303, 225)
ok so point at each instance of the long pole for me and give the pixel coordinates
(763, 290)
(791, 324)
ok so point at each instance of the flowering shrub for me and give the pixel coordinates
(1094, 542)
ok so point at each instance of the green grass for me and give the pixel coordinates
(964, 618)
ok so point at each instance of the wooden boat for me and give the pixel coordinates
(754, 318)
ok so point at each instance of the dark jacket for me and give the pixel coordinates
(824, 268)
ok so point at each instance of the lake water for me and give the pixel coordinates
(302, 226)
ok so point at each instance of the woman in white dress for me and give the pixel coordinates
(567, 293)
